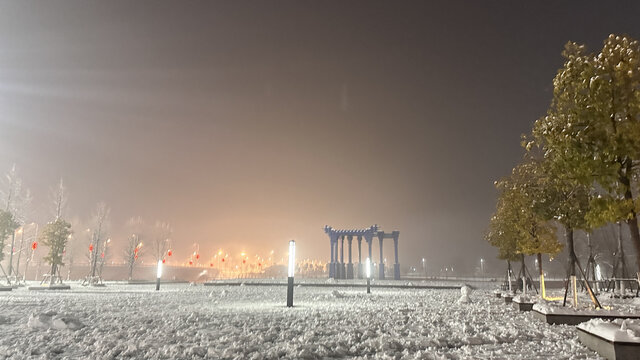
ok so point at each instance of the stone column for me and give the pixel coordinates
(331, 262)
(360, 267)
(350, 264)
(343, 269)
(381, 265)
(396, 266)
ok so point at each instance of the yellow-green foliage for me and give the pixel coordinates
(592, 129)
(521, 224)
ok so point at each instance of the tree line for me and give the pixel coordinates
(579, 170)
(65, 240)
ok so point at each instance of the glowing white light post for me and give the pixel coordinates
(368, 269)
(158, 275)
(292, 266)
(291, 270)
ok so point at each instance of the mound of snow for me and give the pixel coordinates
(337, 294)
(50, 320)
(625, 330)
(465, 291)
(523, 299)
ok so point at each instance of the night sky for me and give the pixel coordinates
(248, 123)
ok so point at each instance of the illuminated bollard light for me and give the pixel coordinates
(368, 267)
(158, 275)
(292, 266)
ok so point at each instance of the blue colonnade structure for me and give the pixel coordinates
(338, 269)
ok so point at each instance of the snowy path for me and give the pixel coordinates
(245, 322)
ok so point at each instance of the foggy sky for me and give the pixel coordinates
(245, 124)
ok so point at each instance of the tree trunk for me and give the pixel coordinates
(539, 255)
(572, 252)
(509, 275)
(635, 236)
(632, 222)
(53, 274)
(523, 272)
(620, 268)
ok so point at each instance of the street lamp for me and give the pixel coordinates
(292, 265)
(424, 268)
(482, 266)
(158, 275)
(368, 270)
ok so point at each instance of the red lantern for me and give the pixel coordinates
(197, 256)
(211, 264)
(222, 259)
(136, 257)
(164, 260)
(34, 245)
(259, 264)
(91, 247)
(169, 252)
(190, 262)
(244, 261)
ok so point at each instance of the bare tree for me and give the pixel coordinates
(11, 190)
(13, 203)
(23, 213)
(161, 240)
(104, 255)
(59, 200)
(100, 219)
(133, 247)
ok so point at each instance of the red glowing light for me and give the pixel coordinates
(259, 264)
(223, 260)
(34, 245)
(211, 264)
(164, 260)
(197, 256)
(190, 262)
(91, 247)
(169, 252)
(135, 251)
(244, 261)
(135, 257)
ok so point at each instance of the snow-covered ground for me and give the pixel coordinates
(251, 322)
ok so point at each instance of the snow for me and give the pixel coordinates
(618, 330)
(252, 322)
(610, 307)
(465, 291)
(523, 299)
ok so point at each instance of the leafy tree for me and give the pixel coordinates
(521, 225)
(592, 129)
(55, 235)
(536, 235)
(502, 233)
